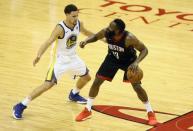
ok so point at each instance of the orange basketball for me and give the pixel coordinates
(135, 76)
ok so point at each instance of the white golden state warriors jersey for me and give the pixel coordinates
(66, 46)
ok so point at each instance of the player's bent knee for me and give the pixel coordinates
(97, 82)
(86, 78)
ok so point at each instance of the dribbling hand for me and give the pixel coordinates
(133, 66)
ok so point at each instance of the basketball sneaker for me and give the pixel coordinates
(84, 115)
(152, 118)
(77, 98)
(18, 110)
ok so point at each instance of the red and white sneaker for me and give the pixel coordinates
(85, 114)
(152, 118)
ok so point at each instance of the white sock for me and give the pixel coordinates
(26, 101)
(148, 106)
(75, 90)
(89, 103)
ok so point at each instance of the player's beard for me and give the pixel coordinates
(110, 33)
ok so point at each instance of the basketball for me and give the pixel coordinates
(135, 76)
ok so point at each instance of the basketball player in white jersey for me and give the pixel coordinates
(64, 61)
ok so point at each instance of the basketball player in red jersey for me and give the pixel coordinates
(122, 46)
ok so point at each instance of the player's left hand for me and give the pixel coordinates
(36, 60)
(82, 44)
(133, 66)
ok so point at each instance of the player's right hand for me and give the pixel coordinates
(36, 60)
(82, 44)
(133, 67)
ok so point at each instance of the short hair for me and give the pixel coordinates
(69, 8)
(120, 24)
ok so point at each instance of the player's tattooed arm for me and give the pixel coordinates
(93, 38)
(131, 40)
(57, 32)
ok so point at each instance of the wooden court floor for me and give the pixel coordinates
(166, 28)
